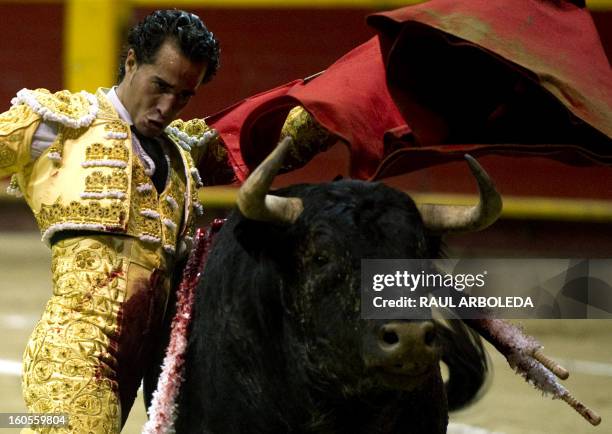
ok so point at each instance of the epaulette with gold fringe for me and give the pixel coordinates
(72, 110)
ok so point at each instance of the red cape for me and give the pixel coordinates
(350, 99)
(556, 45)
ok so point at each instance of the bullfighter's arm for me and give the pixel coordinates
(211, 155)
(309, 138)
(207, 150)
(214, 164)
(17, 127)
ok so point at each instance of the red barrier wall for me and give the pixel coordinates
(30, 48)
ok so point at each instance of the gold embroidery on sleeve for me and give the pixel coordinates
(309, 137)
(8, 156)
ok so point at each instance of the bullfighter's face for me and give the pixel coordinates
(154, 94)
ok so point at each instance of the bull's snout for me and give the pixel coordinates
(403, 348)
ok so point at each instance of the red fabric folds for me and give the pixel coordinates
(555, 40)
(350, 99)
(364, 97)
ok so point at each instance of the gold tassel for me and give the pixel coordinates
(57, 147)
(13, 187)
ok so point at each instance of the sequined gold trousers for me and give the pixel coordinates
(88, 353)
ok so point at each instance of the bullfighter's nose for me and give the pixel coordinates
(404, 348)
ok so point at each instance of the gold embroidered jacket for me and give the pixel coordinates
(90, 178)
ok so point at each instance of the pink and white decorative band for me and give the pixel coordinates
(150, 213)
(169, 224)
(104, 163)
(144, 188)
(58, 227)
(115, 135)
(112, 194)
(172, 202)
(149, 238)
(54, 156)
(195, 173)
(169, 249)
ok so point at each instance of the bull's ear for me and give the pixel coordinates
(264, 240)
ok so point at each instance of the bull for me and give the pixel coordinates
(277, 343)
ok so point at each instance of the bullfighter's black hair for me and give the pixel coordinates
(195, 41)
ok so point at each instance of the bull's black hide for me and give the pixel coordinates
(278, 345)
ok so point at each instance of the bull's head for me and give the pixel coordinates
(326, 230)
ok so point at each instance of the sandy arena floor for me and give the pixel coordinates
(510, 406)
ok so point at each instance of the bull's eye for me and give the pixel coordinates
(320, 259)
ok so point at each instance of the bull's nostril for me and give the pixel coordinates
(390, 338)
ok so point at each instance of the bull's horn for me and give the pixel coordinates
(254, 202)
(457, 218)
